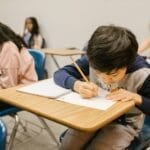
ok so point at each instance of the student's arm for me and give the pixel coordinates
(9, 65)
(27, 68)
(38, 41)
(145, 93)
(144, 45)
(67, 75)
(15, 67)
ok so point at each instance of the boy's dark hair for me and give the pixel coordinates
(7, 34)
(111, 47)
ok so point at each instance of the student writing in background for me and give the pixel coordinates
(31, 36)
(16, 64)
(112, 63)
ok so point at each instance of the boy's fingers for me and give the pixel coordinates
(116, 97)
(91, 87)
(126, 99)
(95, 88)
(87, 93)
(88, 86)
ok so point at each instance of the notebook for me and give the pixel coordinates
(48, 88)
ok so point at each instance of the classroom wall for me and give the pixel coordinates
(69, 23)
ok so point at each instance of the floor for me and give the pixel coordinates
(36, 137)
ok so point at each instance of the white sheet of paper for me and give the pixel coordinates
(99, 102)
(46, 88)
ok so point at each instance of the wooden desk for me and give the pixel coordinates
(74, 116)
(61, 52)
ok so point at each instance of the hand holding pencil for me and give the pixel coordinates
(85, 88)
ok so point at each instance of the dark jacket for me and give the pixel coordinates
(67, 75)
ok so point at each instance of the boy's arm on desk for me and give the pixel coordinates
(73, 116)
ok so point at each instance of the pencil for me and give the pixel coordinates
(78, 68)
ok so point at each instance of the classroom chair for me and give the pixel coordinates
(3, 135)
(5, 110)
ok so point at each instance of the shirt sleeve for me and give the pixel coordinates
(9, 65)
(145, 93)
(67, 75)
(27, 68)
(38, 41)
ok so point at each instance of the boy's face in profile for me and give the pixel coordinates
(112, 77)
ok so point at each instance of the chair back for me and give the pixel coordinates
(3, 135)
(39, 59)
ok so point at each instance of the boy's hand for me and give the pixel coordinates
(124, 95)
(86, 89)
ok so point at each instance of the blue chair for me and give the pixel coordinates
(39, 59)
(3, 135)
(5, 110)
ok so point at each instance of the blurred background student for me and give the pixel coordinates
(31, 35)
(16, 63)
(144, 45)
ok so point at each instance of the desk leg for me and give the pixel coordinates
(48, 130)
(55, 61)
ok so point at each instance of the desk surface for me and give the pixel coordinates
(63, 52)
(77, 117)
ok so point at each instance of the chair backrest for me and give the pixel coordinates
(39, 58)
(3, 135)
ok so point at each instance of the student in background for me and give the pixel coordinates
(144, 45)
(16, 64)
(112, 63)
(31, 36)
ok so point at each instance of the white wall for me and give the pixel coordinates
(68, 23)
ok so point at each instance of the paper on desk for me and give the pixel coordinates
(99, 102)
(46, 88)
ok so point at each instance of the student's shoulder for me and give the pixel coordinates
(25, 55)
(9, 48)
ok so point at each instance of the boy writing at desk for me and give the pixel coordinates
(112, 63)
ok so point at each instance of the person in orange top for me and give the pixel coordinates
(16, 63)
